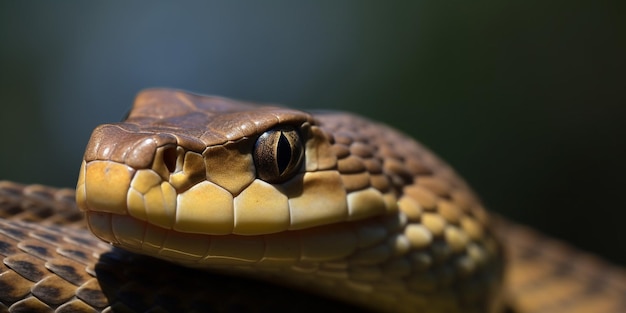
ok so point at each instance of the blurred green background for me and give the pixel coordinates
(526, 100)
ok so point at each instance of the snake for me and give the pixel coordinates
(199, 203)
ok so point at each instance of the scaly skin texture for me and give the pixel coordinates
(365, 216)
(545, 275)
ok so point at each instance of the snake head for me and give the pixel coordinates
(312, 200)
(184, 165)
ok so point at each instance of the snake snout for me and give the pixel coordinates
(119, 160)
(122, 144)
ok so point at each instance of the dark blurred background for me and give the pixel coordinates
(527, 100)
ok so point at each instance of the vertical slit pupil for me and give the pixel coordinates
(283, 153)
(169, 158)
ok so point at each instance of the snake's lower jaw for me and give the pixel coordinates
(197, 250)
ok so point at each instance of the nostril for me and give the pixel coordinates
(170, 158)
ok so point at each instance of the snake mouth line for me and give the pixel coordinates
(319, 244)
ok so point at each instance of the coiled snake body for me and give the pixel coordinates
(329, 204)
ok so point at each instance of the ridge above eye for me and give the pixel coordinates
(278, 154)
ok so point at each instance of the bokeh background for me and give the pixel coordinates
(527, 100)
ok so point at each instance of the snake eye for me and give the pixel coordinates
(278, 154)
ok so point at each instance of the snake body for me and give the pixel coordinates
(325, 203)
